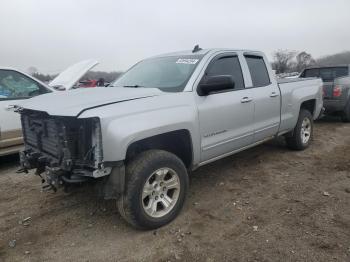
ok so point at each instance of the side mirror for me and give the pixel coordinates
(214, 84)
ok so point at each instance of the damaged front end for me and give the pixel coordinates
(67, 150)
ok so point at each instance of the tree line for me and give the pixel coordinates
(287, 61)
(107, 76)
(284, 61)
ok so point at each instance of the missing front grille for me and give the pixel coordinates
(65, 142)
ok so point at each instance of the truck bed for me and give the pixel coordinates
(292, 80)
(292, 91)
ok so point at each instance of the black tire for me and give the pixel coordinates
(138, 171)
(294, 140)
(346, 114)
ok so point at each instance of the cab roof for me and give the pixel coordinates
(206, 51)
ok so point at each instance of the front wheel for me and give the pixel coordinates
(302, 133)
(156, 186)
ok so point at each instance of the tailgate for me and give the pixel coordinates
(341, 83)
(328, 90)
(331, 77)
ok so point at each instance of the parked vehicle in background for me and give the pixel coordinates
(16, 86)
(87, 83)
(92, 83)
(69, 78)
(166, 116)
(336, 88)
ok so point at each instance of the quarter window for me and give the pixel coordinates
(315, 72)
(258, 71)
(228, 65)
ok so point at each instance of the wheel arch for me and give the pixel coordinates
(309, 105)
(178, 142)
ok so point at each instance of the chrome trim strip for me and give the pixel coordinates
(265, 128)
(233, 152)
(243, 136)
(226, 141)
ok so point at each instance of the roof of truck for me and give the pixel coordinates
(8, 68)
(205, 51)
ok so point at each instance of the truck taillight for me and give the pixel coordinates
(337, 91)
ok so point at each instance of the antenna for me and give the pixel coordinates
(196, 49)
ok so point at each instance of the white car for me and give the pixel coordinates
(16, 86)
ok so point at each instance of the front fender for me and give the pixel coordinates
(127, 122)
(119, 133)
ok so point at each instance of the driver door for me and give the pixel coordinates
(226, 118)
(14, 87)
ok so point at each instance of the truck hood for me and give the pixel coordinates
(75, 102)
(72, 74)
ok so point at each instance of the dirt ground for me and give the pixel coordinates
(264, 204)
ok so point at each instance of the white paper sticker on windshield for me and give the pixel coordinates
(187, 61)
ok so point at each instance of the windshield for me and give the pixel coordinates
(169, 74)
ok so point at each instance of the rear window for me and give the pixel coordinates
(258, 71)
(327, 73)
(311, 73)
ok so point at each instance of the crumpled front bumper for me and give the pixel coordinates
(111, 180)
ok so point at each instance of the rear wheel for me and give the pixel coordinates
(302, 133)
(156, 186)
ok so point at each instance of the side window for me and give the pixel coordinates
(314, 72)
(258, 71)
(228, 65)
(14, 85)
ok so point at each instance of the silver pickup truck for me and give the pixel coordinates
(140, 137)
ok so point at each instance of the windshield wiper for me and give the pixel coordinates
(134, 86)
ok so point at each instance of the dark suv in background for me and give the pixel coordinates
(336, 88)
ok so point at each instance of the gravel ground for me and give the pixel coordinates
(264, 204)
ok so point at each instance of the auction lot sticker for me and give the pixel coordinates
(187, 61)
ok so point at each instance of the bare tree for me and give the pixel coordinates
(336, 59)
(283, 61)
(32, 70)
(303, 60)
(42, 77)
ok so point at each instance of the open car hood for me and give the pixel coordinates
(72, 74)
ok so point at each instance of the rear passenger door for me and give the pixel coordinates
(266, 96)
(225, 118)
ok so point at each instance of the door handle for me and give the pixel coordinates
(246, 99)
(274, 94)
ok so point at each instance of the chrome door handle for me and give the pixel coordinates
(274, 94)
(246, 99)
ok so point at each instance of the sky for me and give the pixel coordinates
(53, 34)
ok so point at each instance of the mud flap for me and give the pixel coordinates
(112, 186)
